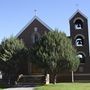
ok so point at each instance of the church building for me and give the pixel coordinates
(80, 40)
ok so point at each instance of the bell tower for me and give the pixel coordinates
(79, 34)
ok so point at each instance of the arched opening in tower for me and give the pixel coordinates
(78, 24)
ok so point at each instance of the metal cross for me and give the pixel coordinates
(77, 5)
(35, 12)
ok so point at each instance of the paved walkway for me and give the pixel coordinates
(22, 88)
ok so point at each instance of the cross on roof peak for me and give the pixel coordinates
(35, 12)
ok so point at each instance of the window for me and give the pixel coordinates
(81, 57)
(35, 29)
(35, 35)
(78, 24)
(79, 41)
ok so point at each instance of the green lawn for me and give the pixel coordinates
(65, 86)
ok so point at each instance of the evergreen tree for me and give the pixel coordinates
(13, 57)
(54, 53)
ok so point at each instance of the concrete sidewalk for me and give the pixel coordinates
(22, 88)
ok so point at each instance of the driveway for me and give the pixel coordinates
(22, 88)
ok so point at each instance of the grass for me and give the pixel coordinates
(65, 86)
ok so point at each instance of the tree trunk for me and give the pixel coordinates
(72, 77)
(54, 79)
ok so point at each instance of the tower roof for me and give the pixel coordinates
(78, 11)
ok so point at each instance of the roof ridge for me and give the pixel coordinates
(37, 18)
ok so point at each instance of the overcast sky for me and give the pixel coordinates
(15, 14)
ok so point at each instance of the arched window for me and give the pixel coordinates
(35, 35)
(78, 24)
(36, 38)
(79, 41)
(81, 56)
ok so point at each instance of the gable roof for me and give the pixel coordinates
(78, 11)
(35, 17)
